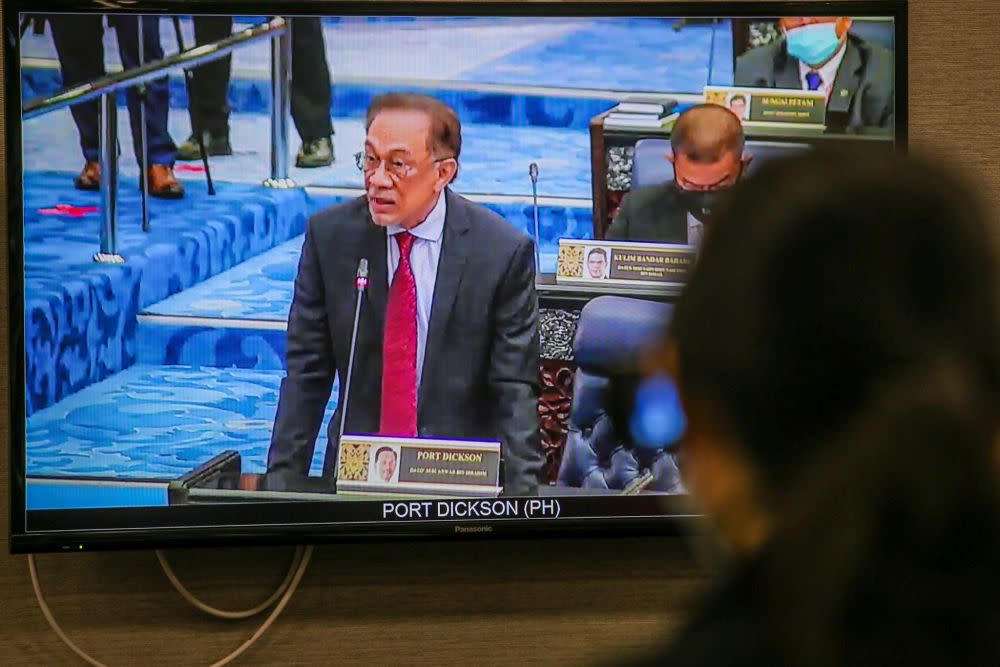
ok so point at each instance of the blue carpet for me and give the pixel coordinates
(261, 288)
(351, 100)
(610, 53)
(258, 289)
(494, 158)
(47, 494)
(433, 55)
(160, 422)
(221, 346)
(630, 54)
(80, 316)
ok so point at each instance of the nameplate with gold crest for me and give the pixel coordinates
(772, 107)
(418, 467)
(623, 263)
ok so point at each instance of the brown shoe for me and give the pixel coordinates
(90, 177)
(163, 183)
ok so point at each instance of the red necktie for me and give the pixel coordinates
(399, 348)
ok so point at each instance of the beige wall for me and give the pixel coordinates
(470, 602)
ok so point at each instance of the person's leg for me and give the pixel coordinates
(162, 150)
(78, 41)
(311, 93)
(208, 101)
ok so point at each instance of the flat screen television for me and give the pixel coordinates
(219, 230)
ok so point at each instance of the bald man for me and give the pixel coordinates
(707, 155)
(820, 53)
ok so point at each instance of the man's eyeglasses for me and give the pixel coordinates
(397, 168)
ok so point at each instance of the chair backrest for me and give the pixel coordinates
(650, 165)
(612, 334)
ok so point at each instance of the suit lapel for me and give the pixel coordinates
(677, 231)
(847, 81)
(786, 70)
(373, 248)
(451, 265)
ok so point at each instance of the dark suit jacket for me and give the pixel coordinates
(480, 377)
(863, 95)
(653, 213)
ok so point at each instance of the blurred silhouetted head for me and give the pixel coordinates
(825, 280)
(837, 351)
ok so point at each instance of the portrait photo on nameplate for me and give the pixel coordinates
(417, 467)
(624, 263)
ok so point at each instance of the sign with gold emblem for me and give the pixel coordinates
(772, 107)
(623, 263)
(418, 467)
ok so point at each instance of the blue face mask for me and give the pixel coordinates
(813, 44)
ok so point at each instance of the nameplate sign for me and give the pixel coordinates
(604, 262)
(772, 107)
(380, 465)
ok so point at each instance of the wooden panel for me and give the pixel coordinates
(472, 602)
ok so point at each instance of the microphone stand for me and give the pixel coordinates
(142, 94)
(533, 174)
(361, 283)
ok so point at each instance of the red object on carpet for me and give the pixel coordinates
(69, 211)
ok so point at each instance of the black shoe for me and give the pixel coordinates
(215, 145)
(316, 153)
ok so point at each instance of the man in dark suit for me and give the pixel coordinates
(310, 93)
(819, 53)
(448, 341)
(707, 154)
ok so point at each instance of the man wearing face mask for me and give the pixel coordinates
(707, 156)
(820, 53)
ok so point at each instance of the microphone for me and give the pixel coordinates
(533, 175)
(360, 282)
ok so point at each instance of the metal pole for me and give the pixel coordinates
(281, 61)
(109, 182)
(141, 93)
(534, 210)
(188, 83)
(206, 53)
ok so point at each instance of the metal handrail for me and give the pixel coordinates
(278, 30)
(152, 70)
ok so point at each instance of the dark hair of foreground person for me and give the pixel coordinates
(837, 352)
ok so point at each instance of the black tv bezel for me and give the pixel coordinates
(123, 528)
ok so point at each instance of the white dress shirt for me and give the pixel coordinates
(827, 73)
(696, 230)
(424, 255)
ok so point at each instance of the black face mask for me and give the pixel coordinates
(701, 203)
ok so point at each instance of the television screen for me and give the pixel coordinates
(334, 274)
